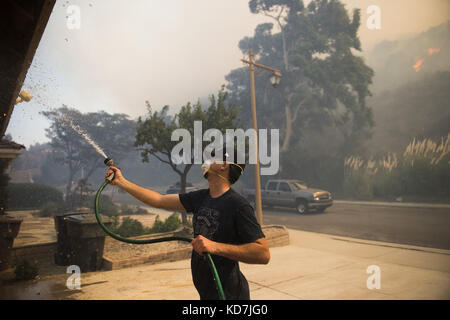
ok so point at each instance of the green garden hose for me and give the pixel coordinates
(147, 241)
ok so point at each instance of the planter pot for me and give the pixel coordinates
(9, 228)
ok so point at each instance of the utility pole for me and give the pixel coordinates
(275, 80)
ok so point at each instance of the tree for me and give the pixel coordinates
(69, 148)
(154, 133)
(113, 132)
(324, 83)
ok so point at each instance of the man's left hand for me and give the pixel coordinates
(201, 245)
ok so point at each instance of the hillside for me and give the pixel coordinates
(410, 88)
(409, 58)
(417, 109)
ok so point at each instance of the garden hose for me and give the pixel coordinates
(147, 241)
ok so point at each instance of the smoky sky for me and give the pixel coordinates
(166, 52)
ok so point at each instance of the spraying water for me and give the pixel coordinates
(84, 135)
(38, 80)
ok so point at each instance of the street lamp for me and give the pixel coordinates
(275, 81)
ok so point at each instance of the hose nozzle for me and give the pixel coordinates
(109, 162)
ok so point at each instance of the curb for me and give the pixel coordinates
(394, 204)
(276, 236)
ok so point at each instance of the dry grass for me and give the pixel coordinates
(428, 150)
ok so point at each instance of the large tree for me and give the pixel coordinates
(68, 147)
(154, 133)
(324, 82)
(114, 133)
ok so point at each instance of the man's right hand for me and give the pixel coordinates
(118, 177)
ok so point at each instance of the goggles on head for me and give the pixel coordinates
(215, 159)
(221, 160)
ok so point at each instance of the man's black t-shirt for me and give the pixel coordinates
(225, 219)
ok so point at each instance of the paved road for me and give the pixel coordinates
(415, 226)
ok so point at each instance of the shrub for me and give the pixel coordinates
(49, 209)
(358, 186)
(130, 227)
(173, 222)
(32, 195)
(115, 224)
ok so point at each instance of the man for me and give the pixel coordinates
(224, 226)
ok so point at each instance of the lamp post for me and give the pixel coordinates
(275, 80)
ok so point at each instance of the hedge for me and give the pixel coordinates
(32, 195)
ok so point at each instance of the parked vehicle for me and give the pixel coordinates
(176, 188)
(292, 194)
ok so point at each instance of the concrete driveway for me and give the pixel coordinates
(313, 266)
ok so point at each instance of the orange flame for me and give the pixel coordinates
(418, 65)
(432, 51)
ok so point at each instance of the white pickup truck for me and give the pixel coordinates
(292, 194)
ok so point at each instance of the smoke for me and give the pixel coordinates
(399, 18)
(167, 52)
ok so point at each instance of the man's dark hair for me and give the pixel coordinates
(235, 170)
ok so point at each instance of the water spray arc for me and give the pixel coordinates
(82, 133)
(109, 162)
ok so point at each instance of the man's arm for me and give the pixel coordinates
(152, 198)
(256, 252)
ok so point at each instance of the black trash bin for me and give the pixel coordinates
(82, 241)
(87, 240)
(63, 245)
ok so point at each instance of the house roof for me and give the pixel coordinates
(6, 144)
(22, 23)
